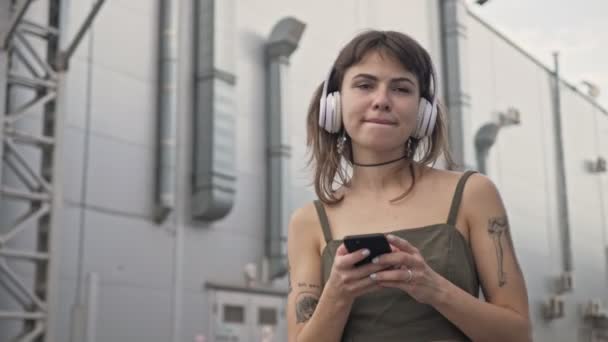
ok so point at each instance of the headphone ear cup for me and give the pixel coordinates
(322, 114)
(333, 117)
(337, 113)
(422, 105)
(329, 112)
(433, 118)
(428, 110)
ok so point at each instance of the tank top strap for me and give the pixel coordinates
(324, 221)
(458, 197)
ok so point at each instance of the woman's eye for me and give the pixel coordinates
(364, 86)
(403, 90)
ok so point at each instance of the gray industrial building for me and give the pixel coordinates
(153, 151)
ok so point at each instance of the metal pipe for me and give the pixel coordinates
(12, 165)
(15, 22)
(32, 83)
(35, 333)
(38, 30)
(18, 254)
(23, 58)
(560, 169)
(283, 41)
(484, 140)
(24, 110)
(215, 114)
(30, 139)
(19, 194)
(453, 37)
(44, 65)
(4, 64)
(67, 54)
(92, 310)
(25, 166)
(181, 187)
(167, 109)
(15, 280)
(13, 292)
(21, 315)
(21, 223)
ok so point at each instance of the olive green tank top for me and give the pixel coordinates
(391, 315)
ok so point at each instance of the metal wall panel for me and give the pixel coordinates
(123, 107)
(146, 316)
(128, 251)
(120, 176)
(73, 163)
(131, 51)
(63, 312)
(584, 198)
(76, 12)
(77, 101)
(206, 258)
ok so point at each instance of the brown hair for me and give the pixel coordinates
(324, 158)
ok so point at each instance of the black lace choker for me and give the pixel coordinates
(380, 164)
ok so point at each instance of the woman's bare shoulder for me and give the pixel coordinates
(440, 176)
(478, 188)
(304, 224)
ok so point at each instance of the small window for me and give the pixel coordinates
(234, 314)
(267, 316)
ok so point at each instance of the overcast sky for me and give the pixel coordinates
(577, 29)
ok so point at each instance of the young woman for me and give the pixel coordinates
(374, 129)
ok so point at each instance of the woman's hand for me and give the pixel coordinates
(409, 272)
(346, 281)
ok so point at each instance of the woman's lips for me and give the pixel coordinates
(380, 122)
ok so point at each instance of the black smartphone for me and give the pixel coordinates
(375, 243)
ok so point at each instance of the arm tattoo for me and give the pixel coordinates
(309, 286)
(498, 228)
(305, 306)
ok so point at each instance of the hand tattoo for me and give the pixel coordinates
(498, 227)
(305, 306)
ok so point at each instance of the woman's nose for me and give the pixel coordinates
(381, 102)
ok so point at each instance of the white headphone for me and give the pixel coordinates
(330, 110)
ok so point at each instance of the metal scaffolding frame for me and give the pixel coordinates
(40, 186)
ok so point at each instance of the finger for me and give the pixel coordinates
(401, 244)
(364, 285)
(401, 275)
(365, 270)
(347, 261)
(397, 259)
(341, 250)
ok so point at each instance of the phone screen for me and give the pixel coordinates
(375, 243)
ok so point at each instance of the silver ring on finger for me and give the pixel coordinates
(410, 276)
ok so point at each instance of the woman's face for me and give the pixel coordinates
(379, 103)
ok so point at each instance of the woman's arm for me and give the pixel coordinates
(504, 317)
(311, 314)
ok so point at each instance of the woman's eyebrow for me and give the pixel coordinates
(374, 78)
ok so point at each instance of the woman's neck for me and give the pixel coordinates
(391, 179)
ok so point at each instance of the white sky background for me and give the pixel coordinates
(578, 30)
